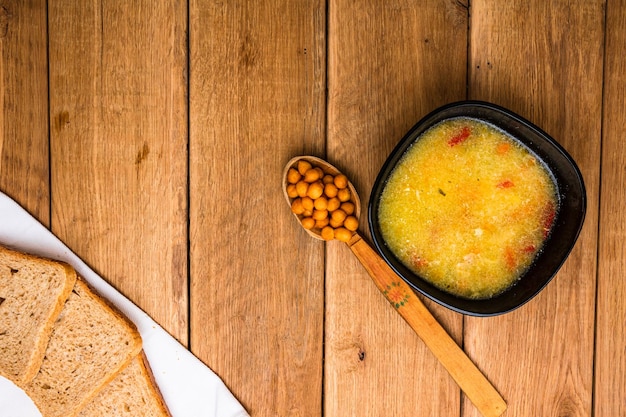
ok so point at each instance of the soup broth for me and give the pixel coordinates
(468, 208)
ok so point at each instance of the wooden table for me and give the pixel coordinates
(150, 137)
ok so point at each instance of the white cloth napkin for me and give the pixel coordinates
(189, 388)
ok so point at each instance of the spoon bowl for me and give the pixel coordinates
(328, 169)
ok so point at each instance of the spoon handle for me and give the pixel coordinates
(469, 378)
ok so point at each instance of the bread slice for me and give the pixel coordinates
(133, 393)
(91, 343)
(33, 291)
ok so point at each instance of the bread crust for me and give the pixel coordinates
(38, 355)
(137, 344)
(37, 351)
(153, 384)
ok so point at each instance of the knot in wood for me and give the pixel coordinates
(5, 16)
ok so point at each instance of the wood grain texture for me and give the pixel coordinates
(119, 147)
(257, 99)
(550, 72)
(610, 363)
(24, 147)
(389, 64)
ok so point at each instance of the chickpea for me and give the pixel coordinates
(291, 191)
(344, 195)
(321, 203)
(307, 203)
(333, 204)
(293, 176)
(348, 207)
(308, 223)
(330, 190)
(320, 214)
(307, 213)
(302, 188)
(351, 223)
(341, 181)
(328, 233)
(322, 223)
(343, 234)
(303, 166)
(297, 207)
(327, 179)
(338, 215)
(335, 224)
(312, 175)
(315, 190)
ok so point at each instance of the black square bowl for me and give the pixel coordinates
(565, 229)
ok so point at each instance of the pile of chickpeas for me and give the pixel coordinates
(322, 201)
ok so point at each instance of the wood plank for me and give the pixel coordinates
(118, 147)
(549, 70)
(389, 64)
(610, 364)
(24, 169)
(257, 98)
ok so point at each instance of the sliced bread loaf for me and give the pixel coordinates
(32, 294)
(133, 393)
(91, 343)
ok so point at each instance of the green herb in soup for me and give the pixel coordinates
(468, 208)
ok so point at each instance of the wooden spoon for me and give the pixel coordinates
(469, 378)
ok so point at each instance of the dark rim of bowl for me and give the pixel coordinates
(556, 248)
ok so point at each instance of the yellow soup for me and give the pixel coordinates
(467, 208)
